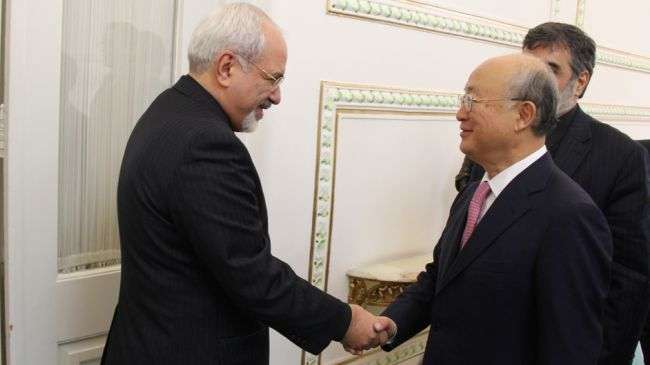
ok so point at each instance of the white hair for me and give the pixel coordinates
(236, 27)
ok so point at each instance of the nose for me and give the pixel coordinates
(276, 95)
(461, 114)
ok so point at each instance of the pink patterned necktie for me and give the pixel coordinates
(475, 207)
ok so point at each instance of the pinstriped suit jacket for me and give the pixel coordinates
(199, 284)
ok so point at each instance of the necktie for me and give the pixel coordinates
(475, 207)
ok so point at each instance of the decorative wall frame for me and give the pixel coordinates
(2, 130)
(555, 9)
(430, 18)
(580, 13)
(427, 17)
(337, 98)
(617, 112)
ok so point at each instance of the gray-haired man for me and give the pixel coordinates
(199, 283)
(611, 168)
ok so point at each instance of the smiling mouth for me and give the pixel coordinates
(464, 132)
(259, 111)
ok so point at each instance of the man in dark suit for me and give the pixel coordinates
(610, 167)
(199, 284)
(521, 270)
(645, 333)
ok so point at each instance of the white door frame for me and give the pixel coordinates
(43, 319)
(32, 87)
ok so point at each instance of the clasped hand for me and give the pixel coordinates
(367, 331)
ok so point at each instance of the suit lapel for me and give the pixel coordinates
(451, 236)
(190, 87)
(575, 145)
(512, 204)
(260, 200)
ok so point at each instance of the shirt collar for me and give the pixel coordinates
(499, 182)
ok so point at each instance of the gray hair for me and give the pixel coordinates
(537, 85)
(236, 27)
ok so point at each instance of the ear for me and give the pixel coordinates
(581, 83)
(527, 113)
(223, 67)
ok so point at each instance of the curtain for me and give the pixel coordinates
(116, 58)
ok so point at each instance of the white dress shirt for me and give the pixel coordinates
(501, 180)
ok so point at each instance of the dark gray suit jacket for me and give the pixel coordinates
(529, 286)
(199, 284)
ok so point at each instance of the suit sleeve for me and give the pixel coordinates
(411, 311)
(629, 219)
(572, 278)
(218, 208)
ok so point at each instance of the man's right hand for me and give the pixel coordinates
(367, 331)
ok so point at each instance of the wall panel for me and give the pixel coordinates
(385, 157)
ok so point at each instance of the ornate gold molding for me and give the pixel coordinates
(619, 112)
(373, 293)
(431, 18)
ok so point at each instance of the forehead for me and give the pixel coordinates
(487, 79)
(552, 53)
(275, 48)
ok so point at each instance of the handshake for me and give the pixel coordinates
(367, 331)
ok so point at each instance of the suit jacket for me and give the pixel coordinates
(529, 286)
(645, 335)
(199, 284)
(610, 167)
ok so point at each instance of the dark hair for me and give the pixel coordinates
(538, 86)
(580, 46)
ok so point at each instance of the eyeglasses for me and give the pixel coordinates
(275, 81)
(466, 101)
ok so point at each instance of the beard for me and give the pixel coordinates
(250, 123)
(565, 99)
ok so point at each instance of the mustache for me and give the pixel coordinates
(265, 105)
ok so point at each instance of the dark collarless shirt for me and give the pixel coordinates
(554, 139)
